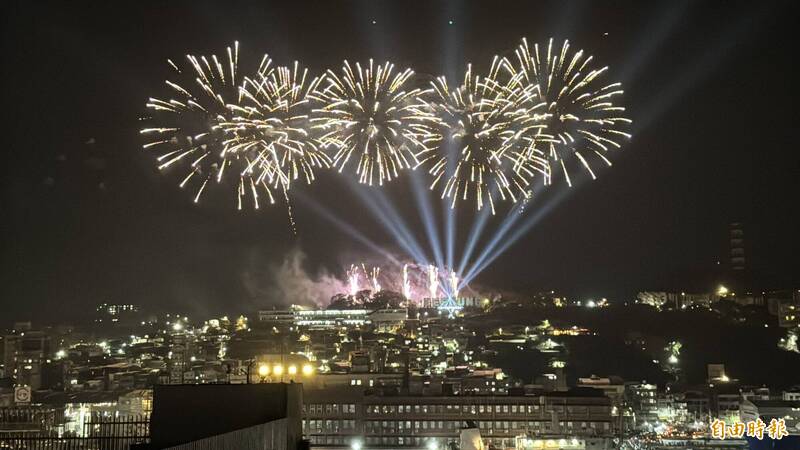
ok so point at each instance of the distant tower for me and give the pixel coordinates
(738, 261)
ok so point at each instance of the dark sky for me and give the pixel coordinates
(87, 218)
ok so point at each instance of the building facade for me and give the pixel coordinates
(352, 417)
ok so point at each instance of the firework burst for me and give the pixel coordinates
(189, 128)
(485, 122)
(371, 116)
(581, 116)
(276, 118)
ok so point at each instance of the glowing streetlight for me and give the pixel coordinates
(308, 370)
(263, 370)
(292, 370)
(355, 445)
(277, 370)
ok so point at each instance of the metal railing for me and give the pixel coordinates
(99, 433)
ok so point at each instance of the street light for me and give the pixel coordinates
(292, 370)
(263, 371)
(277, 370)
(307, 370)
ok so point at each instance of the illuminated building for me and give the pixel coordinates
(332, 318)
(25, 352)
(462, 302)
(789, 314)
(767, 410)
(341, 416)
(277, 317)
(737, 254)
(641, 397)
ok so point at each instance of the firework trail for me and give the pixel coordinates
(370, 115)
(406, 283)
(453, 284)
(486, 120)
(352, 278)
(581, 116)
(189, 129)
(373, 275)
(433, 281)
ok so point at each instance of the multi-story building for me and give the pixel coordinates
(613, 387)
(766, 410)
(25, 351)
(789, 314)
(641, 398)
(676, 300)
(354, 416)
(333, 318)
(738, 261)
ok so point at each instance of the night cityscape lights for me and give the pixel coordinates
(479, 255)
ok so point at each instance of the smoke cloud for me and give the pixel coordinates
(289, 282)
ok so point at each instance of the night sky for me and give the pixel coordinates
(87, 218)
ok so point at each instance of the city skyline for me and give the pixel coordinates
(399, 225)
(659, 219)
